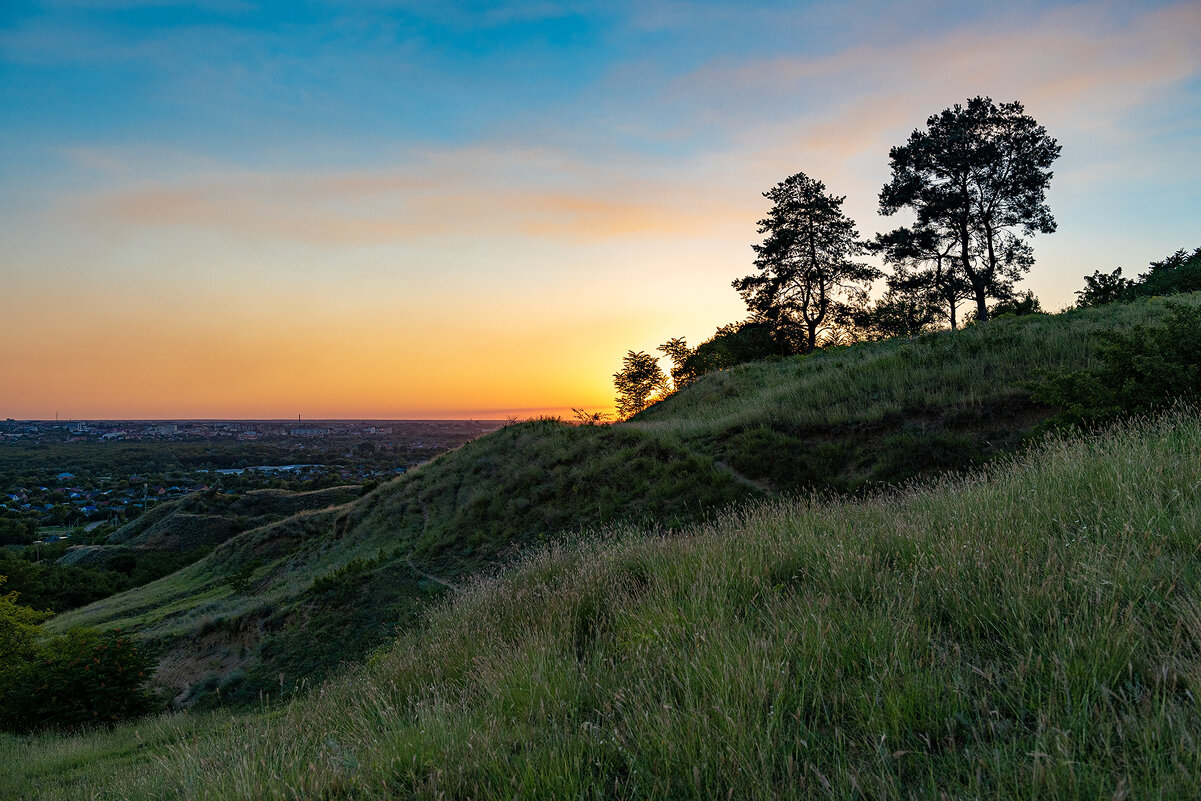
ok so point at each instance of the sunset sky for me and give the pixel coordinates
(440, 209)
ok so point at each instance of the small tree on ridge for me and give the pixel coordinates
(808, 279)
(639, 382)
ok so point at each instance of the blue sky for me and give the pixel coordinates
(441, 209)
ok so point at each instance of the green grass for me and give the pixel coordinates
(1031, 631)
(875, 382)
(850, 419)
(459, 514)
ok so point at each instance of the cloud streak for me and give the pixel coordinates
(470, 193)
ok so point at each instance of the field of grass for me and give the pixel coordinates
(1030, 631)
(326, 586)
(873, 382)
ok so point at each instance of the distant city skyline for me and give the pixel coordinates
(442, 210)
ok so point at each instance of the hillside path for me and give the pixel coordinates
(741, 479)
(448, 585)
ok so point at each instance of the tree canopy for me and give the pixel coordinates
(807, 277)
(79, 679)
(977, 176)
(639, 382)
(1180, 272)
(927, 271)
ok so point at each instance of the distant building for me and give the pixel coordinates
(308, 432)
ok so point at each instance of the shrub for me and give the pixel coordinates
(19, 631)
(84, 678)
(1141, 369)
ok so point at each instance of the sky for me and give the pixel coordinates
(402, 209)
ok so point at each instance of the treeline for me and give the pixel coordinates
(44, 583)
(1180, 272)
(975, 180)
(25, 464)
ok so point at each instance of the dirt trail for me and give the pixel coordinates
(741, 479)
(430, 576)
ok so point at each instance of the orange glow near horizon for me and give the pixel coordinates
(191, 230)
(328, 349)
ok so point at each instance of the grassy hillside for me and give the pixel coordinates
(328, 585)
(1032, 631)
(850, 417)
(196, 523)
(298, 597)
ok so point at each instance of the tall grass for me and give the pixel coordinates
(867, 383)
(1030, 631)
(678, 461)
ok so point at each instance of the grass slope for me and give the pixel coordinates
(848, 418)
(196, 523)
(1032, 631)
(326, 586)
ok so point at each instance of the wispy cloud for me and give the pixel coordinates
(549, 183)
(1065, 60)
(472, 192)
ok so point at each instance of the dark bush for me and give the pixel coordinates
(1180, 272)
(1141, 369)
(730, 345)
(80, 679)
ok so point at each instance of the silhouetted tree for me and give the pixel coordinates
(1101, 288)
(639, 381)
(678, 351)
(1018, 306)
(807, 280)
(905, 312)
(980, 173)
(735, 343)
(925, 267)
(1180, 272)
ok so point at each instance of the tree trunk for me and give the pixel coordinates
(977, 282)
(979, 289)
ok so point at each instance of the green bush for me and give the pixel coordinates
(19, 632)
(79, 679)
(1141, 369)
(83, 678)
